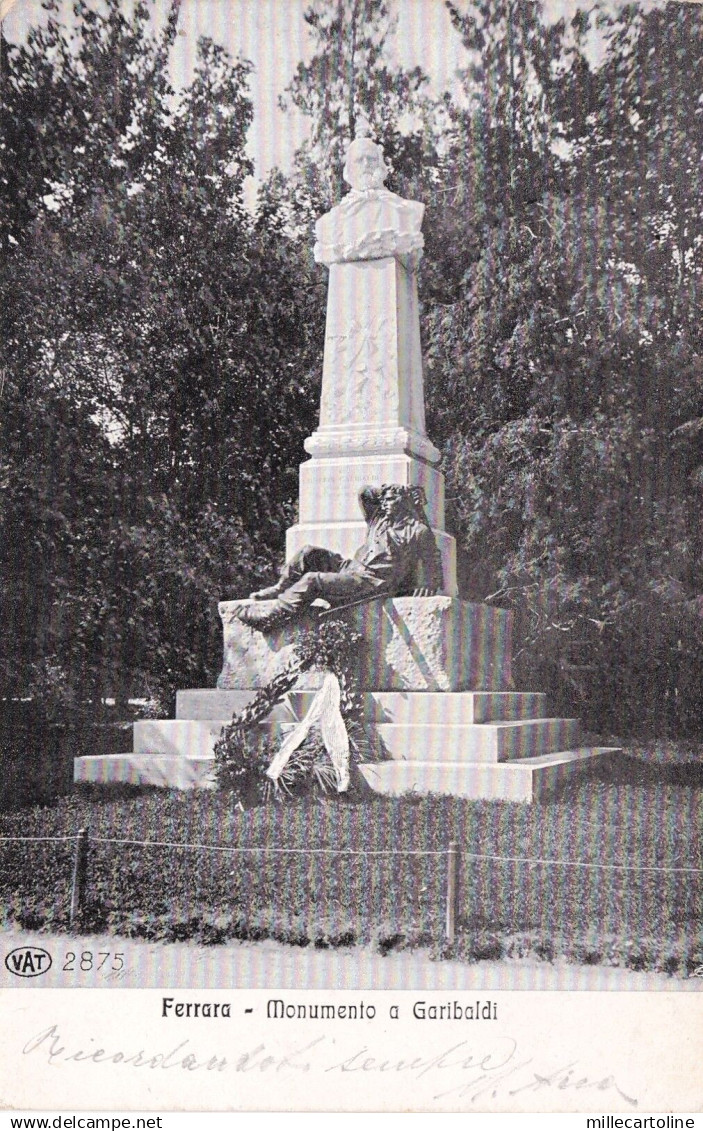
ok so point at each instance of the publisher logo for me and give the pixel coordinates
(28, 961)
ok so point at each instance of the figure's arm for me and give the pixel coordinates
(369, 501)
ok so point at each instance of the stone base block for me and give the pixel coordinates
(531, 779)
(346, 537)
(412, 643)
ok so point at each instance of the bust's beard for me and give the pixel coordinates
(369, 181)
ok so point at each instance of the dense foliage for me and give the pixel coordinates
(163, 344)
(564, 352)
(158, 344)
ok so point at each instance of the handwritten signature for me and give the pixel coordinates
(498, 1070)
(487, 1073)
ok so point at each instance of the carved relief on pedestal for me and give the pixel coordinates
(360, 349)
(364, 361)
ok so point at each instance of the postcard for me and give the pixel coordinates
(351, 598)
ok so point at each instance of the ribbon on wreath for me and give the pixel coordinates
(324, 711)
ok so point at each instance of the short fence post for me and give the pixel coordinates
(452, 891)
(80, 873)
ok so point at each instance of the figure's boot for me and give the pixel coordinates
(265, 618)
(268, 594)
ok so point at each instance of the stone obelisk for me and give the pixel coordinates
(372, 413)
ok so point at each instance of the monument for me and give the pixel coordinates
(435, 670)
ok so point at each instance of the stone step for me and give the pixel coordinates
(173, 771)
(450, 707)
(416, 742)
(477, 742)
(527, 780)
(206, 703)
(431, 708)
(188, 737)
(380, 706)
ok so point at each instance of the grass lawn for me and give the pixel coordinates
(646, 811)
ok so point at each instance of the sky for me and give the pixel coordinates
(274, 36)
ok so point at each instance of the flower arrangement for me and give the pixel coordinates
(242, 756)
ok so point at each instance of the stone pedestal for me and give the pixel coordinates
(372, 416)
(372, 367)
(412, 644)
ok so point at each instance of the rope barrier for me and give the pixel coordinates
(580, 864)
(274, 851)
(656, 868)
(36, 838)
(82, 840)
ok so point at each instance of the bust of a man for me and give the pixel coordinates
(371, 222)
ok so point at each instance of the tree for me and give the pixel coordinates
(164, 334)
(572, 341)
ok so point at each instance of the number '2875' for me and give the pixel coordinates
(86, 960)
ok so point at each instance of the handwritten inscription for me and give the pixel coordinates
(465, 1070)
